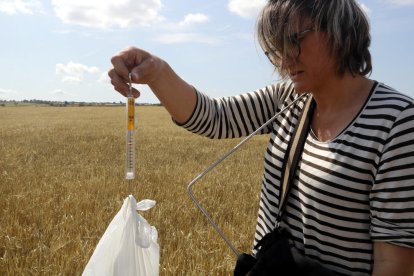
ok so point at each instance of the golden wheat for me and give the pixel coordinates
(62, 181)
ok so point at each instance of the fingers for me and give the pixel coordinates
(120, 85)
(123, 62)
(126, 60)
(143, 66)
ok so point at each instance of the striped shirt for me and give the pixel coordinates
(348, 192)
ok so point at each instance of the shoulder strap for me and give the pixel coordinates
(293, 153)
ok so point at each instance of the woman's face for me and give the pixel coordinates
(314, 67)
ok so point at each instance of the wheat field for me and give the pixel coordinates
(62, 181)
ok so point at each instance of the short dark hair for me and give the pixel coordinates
(344, 22)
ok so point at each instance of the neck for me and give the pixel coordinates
(342, 93)
(337, 104)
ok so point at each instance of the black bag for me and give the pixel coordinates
(276, 255)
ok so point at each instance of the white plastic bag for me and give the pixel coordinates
(128, 246)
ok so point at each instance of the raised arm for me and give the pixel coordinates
(178, 97)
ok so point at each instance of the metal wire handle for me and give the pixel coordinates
(211, 167)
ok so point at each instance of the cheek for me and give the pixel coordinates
(320, 62)
(317, 56)
(323, 66)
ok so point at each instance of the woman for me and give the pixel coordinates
(351, 207)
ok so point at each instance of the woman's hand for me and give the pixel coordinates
(144, 68)
(178, 97)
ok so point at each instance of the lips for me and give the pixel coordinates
(295, 74)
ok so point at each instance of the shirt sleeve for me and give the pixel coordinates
(235, 116)
(392, 195)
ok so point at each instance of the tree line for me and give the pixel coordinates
(64, 103)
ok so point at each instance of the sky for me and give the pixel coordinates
(60, 50)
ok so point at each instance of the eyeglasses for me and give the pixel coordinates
(295, 40)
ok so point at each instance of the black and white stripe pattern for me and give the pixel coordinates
(348, 192)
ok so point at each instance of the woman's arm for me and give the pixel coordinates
(178, 97)
(393, 260)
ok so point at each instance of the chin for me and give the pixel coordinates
(300, 88)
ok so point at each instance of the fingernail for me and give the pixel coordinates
(134, 76)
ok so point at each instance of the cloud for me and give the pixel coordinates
(193, 18)
(74, 72)
(108, 13)
(184, 31)
(246, 8)
(104, 79)
(7, 94)
(402, 2)
(19, 6)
